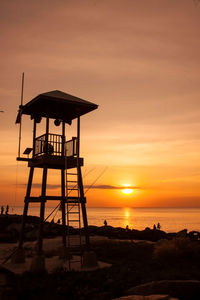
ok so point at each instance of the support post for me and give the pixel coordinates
(63, 188)
(78, 137)
(34, 136)
(47, 131)
(63, 206)
(19, 256)
(26, 203)
(80, 183)
(42, 208)
(84, 214)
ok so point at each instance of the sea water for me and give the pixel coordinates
(170, 219)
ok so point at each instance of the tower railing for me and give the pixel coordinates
(52, 145)
(71, 147)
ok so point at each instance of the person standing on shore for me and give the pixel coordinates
(158, 226)
(2, 209)
(7, 209)
(105, 223)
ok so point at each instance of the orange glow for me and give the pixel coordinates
(146, 129)
(127, 190)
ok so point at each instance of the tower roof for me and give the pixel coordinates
(58, 105)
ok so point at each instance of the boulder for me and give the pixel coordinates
(150, 297)
(7, 237)
(184, 289)
(182, 233)
(194, 235)
(7, 279)
(31, 235)
(14, 227)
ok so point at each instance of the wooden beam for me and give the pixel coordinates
(23, 159)
(43, 198)
(34, 137)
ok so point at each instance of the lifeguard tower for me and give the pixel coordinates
(53, 151)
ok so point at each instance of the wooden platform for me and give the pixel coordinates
(55, 162)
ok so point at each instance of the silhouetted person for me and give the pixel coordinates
(154, 227)
(105, 223)
(48, 148)
(7, 209)
(127, 228)
(2, 209)
(158, 226)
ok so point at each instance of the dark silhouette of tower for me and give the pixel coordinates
(53, 151)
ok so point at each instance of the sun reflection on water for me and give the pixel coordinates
(127, 215)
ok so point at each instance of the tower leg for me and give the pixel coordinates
(42, 208)
(83, 208)
(89, 256)
(38, 262)
(63, 206)
(19, 255)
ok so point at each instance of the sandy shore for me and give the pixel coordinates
(51, 249)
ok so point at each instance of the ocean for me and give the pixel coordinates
(170, 219)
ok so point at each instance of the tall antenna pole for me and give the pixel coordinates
(20, 124)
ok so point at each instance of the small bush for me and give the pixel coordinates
(176, 250)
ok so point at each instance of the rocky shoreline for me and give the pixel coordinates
(10, 226)
(142, 263)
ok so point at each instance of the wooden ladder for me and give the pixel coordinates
(73, 211)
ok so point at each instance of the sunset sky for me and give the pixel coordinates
(139, 60)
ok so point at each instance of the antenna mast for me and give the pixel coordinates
(20, 111)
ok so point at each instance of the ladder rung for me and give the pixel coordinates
(73, 212)
(72, 173)
(72, 201)
(72, 181)
(73, 220)
(73, 189)
(71, 207)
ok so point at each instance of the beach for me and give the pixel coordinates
(128, 259)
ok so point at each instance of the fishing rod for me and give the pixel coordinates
(104, 170)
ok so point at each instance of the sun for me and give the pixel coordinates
(127, 190)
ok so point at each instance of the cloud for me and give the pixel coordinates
(38, 185)
(111, 187)
(98, 186)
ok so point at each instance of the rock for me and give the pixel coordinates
(150, 297)
(7, 237)
(182, 233)
(7, 278)
(38, 264)
(64, 253)
(14, 226)
(194, 235)
(31, 235)
(186, 289)
(89, 259)
(18, 256)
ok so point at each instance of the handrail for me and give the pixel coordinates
(45, 135)
(54, 145)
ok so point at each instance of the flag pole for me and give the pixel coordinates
(20, 124)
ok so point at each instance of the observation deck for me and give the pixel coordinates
(52, 151)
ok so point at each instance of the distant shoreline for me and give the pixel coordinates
(171, 219)
(11, 225)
